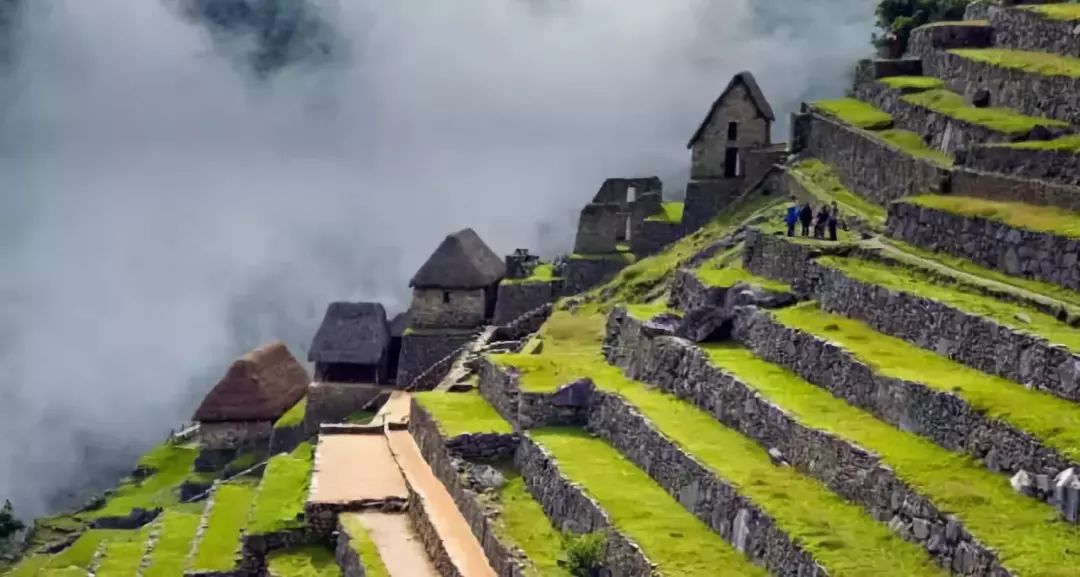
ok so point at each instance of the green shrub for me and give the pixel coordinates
(899, 17)
(584, 553)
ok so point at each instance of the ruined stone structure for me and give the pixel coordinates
(352, 344)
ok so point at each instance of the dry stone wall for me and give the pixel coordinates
(421, 350)
(678, 367)
(996, 186)
(990, 243)
(974, 340)
(584, 273)
(943, 417)
(653, 236)
(518, 298)
(858, 158)
(1055, 166)
(568, 406)
(347, 558)
(1025, 30)
(942, 36)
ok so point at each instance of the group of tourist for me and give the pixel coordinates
(828, 218)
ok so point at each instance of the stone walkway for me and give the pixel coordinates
(356, 469)
(399, 547)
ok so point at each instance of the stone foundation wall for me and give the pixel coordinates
(706, 198)
(571, 509)
(421, 350)
(429, 537)
(943, 36)
(350, 562)
(1002, 187)
(869, 70)
(1025, 30)
(584, 273)
(942, 417)
(680, 368)
(235, 435)
(654, 236)
(1051, 165)
(569, 406)
(976, 341)
(779, 258)
(990, 243)
(322, 518)
(333, 402)
(857, 158)
(255, 548)
(599, 228)
(689, 293)
(518, 298)
(285, 439)
(1030, 93)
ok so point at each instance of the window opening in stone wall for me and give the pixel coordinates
(732, 130)
(446, 298)
(731, 163)
(631, 194)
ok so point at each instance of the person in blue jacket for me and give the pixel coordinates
(792, 216)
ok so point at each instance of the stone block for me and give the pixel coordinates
(599, 228)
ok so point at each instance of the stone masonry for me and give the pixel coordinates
(422, 349)
(996, 186)
(1025, 30)
(518, 298)
(1062, 167)
(990, 243)
(568, 406)
(943, 36)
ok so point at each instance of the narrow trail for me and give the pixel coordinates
(460, 369)
(397, 543)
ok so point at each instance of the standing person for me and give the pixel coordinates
(806, 215)
(834, 220)
(822, 220)
(792, 216)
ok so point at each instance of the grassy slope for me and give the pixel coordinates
(282, 492)
(1045, 219)
(178, 527)
(1003, 120)
(171, 463)
(1055, 421)
(122, 557)
(310, 561)
(915, 282)
(1028, 535)
(294, 417)
(81, 552)
(460, 413)
(522, 522)
(819, 180)
(219, 546)
(1042, 63)
(669, 535)
(364, 547)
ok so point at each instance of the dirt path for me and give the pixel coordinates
(400, 549)
(460, 543)
(354, 468)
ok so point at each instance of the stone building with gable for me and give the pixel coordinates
(352, 344)
(256, 391)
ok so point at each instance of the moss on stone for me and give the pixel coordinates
(1031, 542)
(1004, 120)
(462, 413)
(1043, 63)
(308, 561)
(912, 144)
(521, 522)
(819, 179)
(1064, 12)
(912, 83)
(178, 526)
(1042, 219)
(672, 213)
(279, 502)
(363, 546)
(294, 417)
(1055, 421)
(171, 464)
(855, 113)
(218, 548)
(1069, 144)
(903, 279)
(668, 534)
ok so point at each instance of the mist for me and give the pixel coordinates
(164, 208)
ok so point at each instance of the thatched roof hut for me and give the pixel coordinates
(260, 386)
(462, 261)
(355, 333)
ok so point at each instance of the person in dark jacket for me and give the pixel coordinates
(834, 221)
(806, 216)
(792, 217)
(822, 221)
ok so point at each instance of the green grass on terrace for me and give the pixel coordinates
(956, 23)
(819, 179)
(171, 464)
(461, 413)
(219, 547)
(1005, 120)
(1042, 63)
(672, 213)
(1068, 144)
(912, 83)
(309, 561)
(1056, 422)
(29, 566)
(647, 311)
(734, 274)
(178, 525)
(361, 543)
(81, 552)
(294, 417)
(122, 558)
(543, 273)
(522, 522)
(1045, 219)
(1067, 12)
(855, 113)
(619, 255)
(916, 282)
(279, 501)
(912, 143)
(1027, 534)
(668, 534)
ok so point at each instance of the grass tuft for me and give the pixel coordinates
(462, 413)
(1044, 219)
(279, 503)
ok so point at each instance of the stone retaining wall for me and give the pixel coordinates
(653, 236)
(584, 273)
(966, 182)
(678, 367)
(942, 417)
(505, 559)
(568, 406)
(1025, 30)
(571, 509)
(688, 292)
(780, 258)
(858, 158)
(421, 350)
(991, 243)
(429, 537)
(347, 558)
(518, 298)
(1031, 93)
(334, 402)
(976, 341)
(1051, 165)
(255, 548)
(943, 36)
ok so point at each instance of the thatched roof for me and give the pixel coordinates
(259, 386)
(351, 333)
(462, 261)
(757, 97)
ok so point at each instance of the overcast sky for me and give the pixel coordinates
(163, 211)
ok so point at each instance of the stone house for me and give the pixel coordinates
(254, 393)
(352, 344)
(456, 288)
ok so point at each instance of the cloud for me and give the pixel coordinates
(164, 209)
